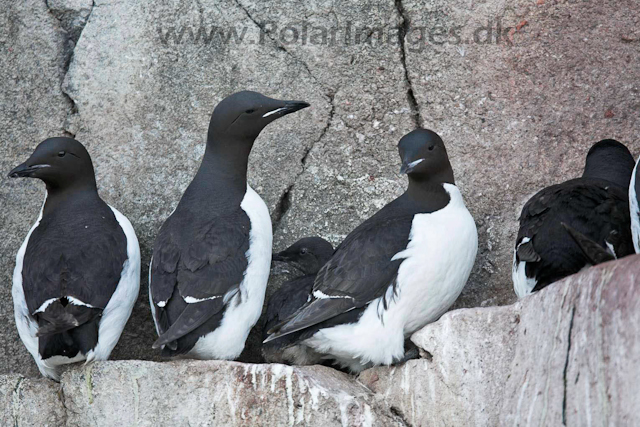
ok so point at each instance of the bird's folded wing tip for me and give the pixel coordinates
(268, 339)
(159, 343)
(276, 332)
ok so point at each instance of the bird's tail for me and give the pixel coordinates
(64, 329)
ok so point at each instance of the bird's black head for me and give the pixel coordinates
(243, 115)
(308, 254)
(611, 160)
(424, 157)
(60, 163)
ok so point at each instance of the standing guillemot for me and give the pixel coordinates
(399, 270)
(211, 259)
(575, 224)
(77, 273)
(634, 208)
(307, 255)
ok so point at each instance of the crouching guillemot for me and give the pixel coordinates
(576, 224)
(399, 270)
(211, 258)
(77, 274)
(307, 255)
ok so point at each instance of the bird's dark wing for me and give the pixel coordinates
(595, 253)
(360, 271)
(531, 219)
(203, 270)
(526, 252)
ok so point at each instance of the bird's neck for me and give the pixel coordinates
(69, 195)
(224, 165)
(423, 188)
(432, 195)
(609, 168)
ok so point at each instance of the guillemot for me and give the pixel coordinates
(398, 271)
(578, 223)
(211, 258)
(77, 274)
(307, 255)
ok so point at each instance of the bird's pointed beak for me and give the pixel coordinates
(25, 171)
(287, 108)
(293, 106)
(279, 257)
(408, 167)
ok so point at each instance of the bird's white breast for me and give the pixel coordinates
(522, 285)
(437, 263)
(244, 309)
(634, 210)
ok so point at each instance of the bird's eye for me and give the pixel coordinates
(250, 111)
(303, 251)
(432, 147)
(61, 153)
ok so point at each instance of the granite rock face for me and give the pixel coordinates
(136, 83)
(565, 356)
(191, 393)
(466, 359)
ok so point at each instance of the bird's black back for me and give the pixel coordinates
(78, 250)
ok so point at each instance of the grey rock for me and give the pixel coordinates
(567, 355)
(30, 402)
(466, 359)
(72, 14)
(577, 352)
(215, 393)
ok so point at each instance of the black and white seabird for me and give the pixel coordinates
(634, 208)
(211, 259)
(77, 273)
(398, 271)
(307, 255)
(578, 223)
